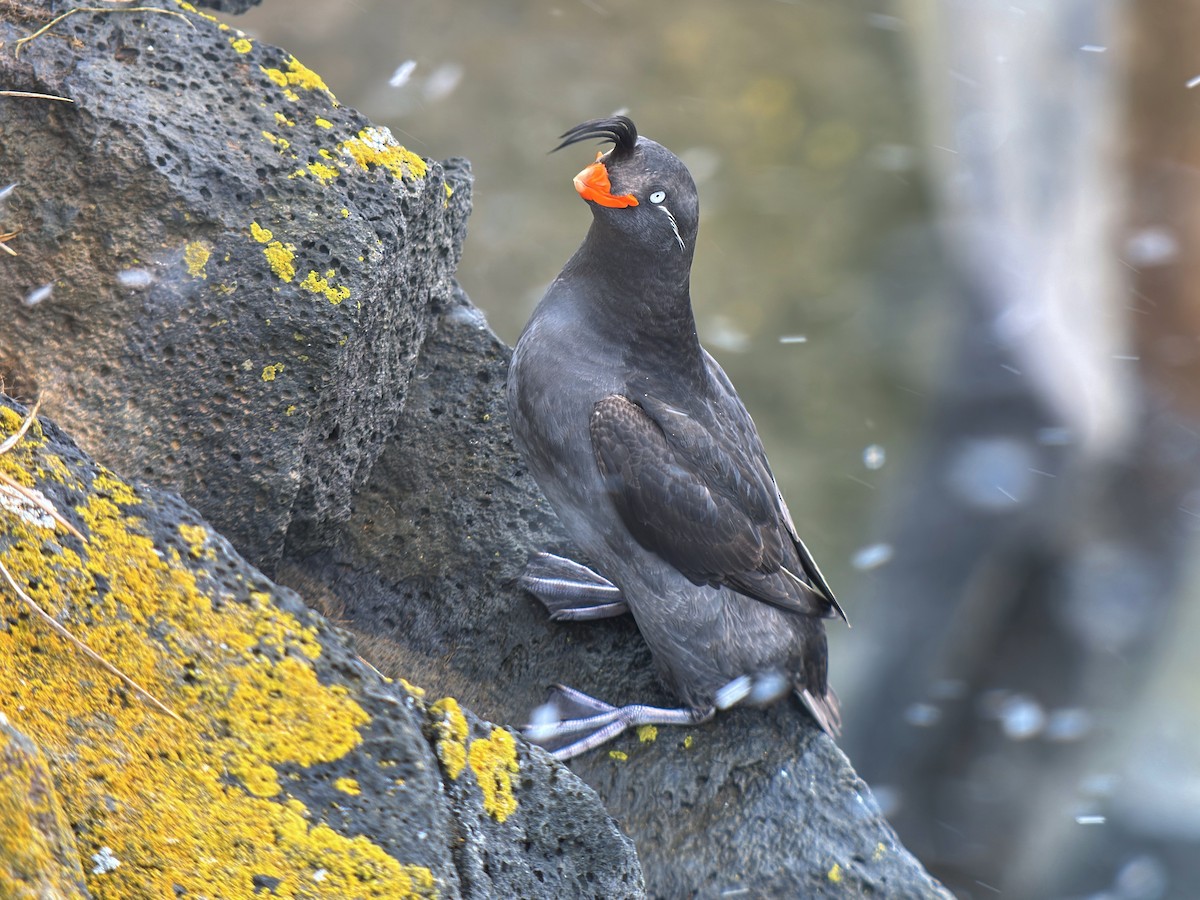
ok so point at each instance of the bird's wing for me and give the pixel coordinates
(695, 497)
(747, 436)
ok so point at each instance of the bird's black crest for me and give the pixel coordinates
(618, 129)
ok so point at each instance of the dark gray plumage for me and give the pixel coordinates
(645, 451)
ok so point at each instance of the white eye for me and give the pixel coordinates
(658, 197)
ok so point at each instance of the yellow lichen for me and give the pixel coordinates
(298, 75)
(348, 786)
(494, 761)
(451, 727)
(323, 123)
(323, 172)
(195, 257)
(284, 120)
(275, 75)
(375, 146)
(270, 372)
(280, 257)
(345, 213)
(418, 692)
(688, 740)
(241, 45)
(647, 733)
(280, 143)
(36, 836)
(196, 537)
(290, 411)
(315, 284)
(196, 808)
(618, 755)
(835, 873)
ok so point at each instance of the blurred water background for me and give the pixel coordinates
(945, 255)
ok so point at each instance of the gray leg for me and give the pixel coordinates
(571, 592)
(571, 722)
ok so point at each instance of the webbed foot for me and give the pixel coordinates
(570, 591)
(571, 722)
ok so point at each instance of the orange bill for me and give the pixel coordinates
(593, 184)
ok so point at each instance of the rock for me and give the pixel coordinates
(37, 850)
(232, 271)
(757, 801)
(235, 7)
(270, 378)
(293, 768)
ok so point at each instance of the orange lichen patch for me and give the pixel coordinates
(315, 284)
(300, 76)
(451, 727)
(375, 146)
(494, 761)
(195, 808)
(195, 257)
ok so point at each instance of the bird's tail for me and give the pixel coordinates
(824, 709)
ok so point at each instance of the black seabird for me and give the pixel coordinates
(642, 446)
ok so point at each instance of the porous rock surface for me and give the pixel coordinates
(756, 803)
(239, 268)
(299, 261)
(285, 767)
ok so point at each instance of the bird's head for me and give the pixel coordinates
(638, 187)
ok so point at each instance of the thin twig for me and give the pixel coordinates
(45, 505)
(33, 95)
(95, 9)
(84, 648)
(20, 432)
(41, 503)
